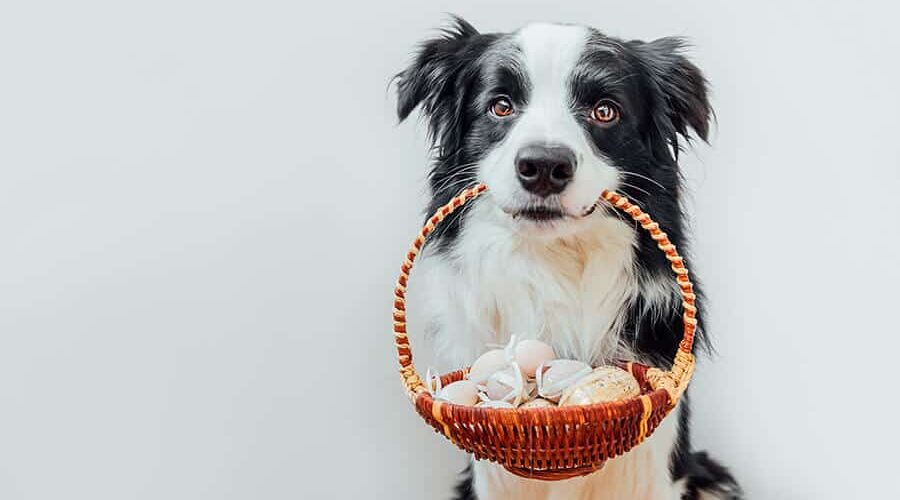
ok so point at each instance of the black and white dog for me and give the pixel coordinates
(548, 117)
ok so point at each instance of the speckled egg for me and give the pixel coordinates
(603, 384)
(538, 403)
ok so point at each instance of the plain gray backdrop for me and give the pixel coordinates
(203, 206)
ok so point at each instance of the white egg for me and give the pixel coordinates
(555, 376)
(532, 353)
(507, 385)
(606, 383)
(487, 364)
(461, 392)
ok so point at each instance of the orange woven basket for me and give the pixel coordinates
(561, 442)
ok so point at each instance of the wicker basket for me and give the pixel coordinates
(562, 442)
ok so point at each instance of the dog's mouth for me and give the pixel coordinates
(540, 214)
(549, 213)
(589, 210)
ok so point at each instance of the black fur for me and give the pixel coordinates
(702, 473)
(443, 79)
(663, 98)
(465, 489)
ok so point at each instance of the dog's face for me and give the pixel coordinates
(551, 115)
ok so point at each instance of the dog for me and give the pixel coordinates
(548, 117)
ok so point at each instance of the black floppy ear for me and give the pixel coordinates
(682, 89)
(434, 78)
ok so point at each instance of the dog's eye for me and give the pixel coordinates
(605, 111)
(501, 107)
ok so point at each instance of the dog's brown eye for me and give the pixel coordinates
(501, 107)
(605, 112)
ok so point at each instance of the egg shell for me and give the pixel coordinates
(532, 353)
(555, 376)
(433, 381)
(538, 403)
(461, 392)
(507, 385)
(530, 390)
(487, 364)
(604, 384)
(495, 404)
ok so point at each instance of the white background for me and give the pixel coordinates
(203, 206)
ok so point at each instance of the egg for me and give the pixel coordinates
(461, 392)
(495, 404)
(532, 353)
(603, 384)
(538, 403)
(555, 376)
(487, 364)
(507, 385)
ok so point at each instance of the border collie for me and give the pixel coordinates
(549, 116)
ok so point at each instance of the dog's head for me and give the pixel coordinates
(550, 115)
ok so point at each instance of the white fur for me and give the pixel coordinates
(500, 280)
(566, 282)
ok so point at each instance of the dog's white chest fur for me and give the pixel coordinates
(568, 291)
(496, 282)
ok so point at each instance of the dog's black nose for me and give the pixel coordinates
(545, 169)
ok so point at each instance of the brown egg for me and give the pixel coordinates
(604, 384)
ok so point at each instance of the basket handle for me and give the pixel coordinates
(673, 381)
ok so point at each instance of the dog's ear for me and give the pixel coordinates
(681, 87)
(434, 79)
